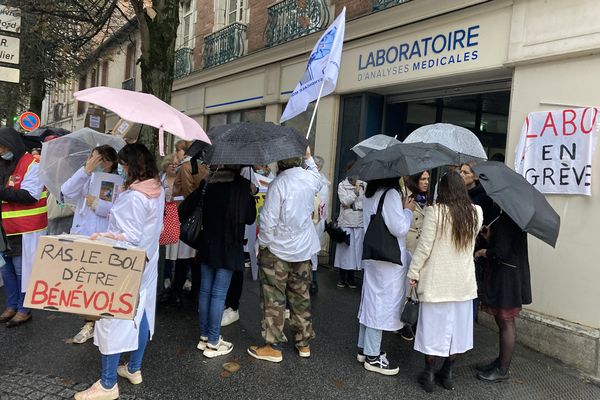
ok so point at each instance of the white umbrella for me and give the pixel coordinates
(376, 142)
(63, 156)
(456, 138)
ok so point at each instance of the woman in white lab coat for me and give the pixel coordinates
(91, 213)
(384, 283)
(136, 218)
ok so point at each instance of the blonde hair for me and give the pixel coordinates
(168, 159)
(182, 145)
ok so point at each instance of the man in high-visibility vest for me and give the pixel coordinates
(24, 220)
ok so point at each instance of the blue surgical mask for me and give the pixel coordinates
(8, 155)
(99, 169)
(121, 172)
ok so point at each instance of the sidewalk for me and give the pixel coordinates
(36, 363)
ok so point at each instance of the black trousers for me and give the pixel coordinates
(235, 291)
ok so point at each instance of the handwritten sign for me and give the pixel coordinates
(91, 277)
(556, 148)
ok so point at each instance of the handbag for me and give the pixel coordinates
(336, 233)
(379, 244)
(410, 312)
(190, 216)
(171, 227)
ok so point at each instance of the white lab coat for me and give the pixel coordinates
(85, 220)
(29, 241)
(139, 219)
(384, 283)
(323, 196)
(286, 226)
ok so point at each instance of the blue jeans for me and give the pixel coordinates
(369, 339)
(111, 362)
(213, 291)
(11, 275)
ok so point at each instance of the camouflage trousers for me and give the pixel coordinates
(280, 279)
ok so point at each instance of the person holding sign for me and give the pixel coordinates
(91, 212)
(136, 218)
(24, 220)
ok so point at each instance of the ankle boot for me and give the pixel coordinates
(444, 375)
(426, 378)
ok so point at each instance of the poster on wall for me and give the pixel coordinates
(556, 148)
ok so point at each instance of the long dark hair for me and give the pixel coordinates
(140, 162)
(372, 186)
(453, 195)
(108, 154)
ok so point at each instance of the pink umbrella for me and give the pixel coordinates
(144, 108)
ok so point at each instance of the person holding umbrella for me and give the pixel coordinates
(24, 220)
(136, 218)
(91, 213)
(506, 287)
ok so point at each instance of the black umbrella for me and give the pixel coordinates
(520, 200)
(35, 138)
(248, 143)
(403, 159)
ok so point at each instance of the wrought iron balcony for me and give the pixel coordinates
(379, 5)
(183, 62)
(128, 84)
(224, 45)
(291, 19)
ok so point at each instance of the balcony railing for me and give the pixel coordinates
(224, 45)
(128, 84)
(379, 5)
(291, 19)
(183, 62)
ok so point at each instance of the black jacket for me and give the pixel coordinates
(507, 283)
(479, 196)
(228, 206)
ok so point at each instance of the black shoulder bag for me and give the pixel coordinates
(379, 244)
(190, 216)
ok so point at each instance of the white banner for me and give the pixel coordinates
(322, 69)
(556, 148)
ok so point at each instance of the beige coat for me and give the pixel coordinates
(185, 182)
(414, 233)
(444, 273)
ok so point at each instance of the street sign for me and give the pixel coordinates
(10, 19)
(9, 49)
(29, 121)
(9, 74)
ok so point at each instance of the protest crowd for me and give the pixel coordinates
(453, 249)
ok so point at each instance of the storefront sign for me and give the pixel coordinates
(9, 49)
(10, 19)
(461, 46)
(556, 148)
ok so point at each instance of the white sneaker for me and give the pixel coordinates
(220, 349)
(187, 286)
(135, 378)
(97, 392)
(230, 316)
(202, 343)
(287, 313)
(167, 283)
(86, 333)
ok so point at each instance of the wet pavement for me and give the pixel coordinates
(36, 362)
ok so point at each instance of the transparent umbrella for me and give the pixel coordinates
(456, 138)
(376, 142)
(63, 156)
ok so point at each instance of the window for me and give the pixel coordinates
(82, 85)
(94, 77)
(234, 11)
(104, 80)
(130, 61)
(250, 115)
(185, 31)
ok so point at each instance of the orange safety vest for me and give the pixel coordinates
(24, 218)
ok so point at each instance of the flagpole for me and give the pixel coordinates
(312, 119)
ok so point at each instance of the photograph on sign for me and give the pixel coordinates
(9, 49)
(10, 19)
(73, 274)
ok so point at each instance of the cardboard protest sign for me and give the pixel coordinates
(76, 275)
(556, 148)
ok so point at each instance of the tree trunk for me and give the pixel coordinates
(157, 61)
(37, 94)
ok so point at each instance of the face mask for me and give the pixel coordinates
(121, 172)
(99, 169)
(8, 155)
(260, 172)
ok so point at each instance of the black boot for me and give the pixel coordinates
(487, 367)
(426, 378)
(444, 375)
(496, 374)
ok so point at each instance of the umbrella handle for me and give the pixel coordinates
(484, 177)
(161, 141)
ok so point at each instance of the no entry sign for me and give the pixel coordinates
(29, 121)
